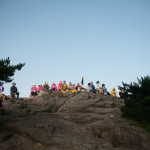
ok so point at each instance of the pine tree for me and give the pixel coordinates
(7, 71)
(137, 99)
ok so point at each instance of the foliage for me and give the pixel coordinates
(22, 106)
(7, 70)
(137, 100)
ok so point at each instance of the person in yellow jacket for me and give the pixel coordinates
(74, 90)
(113, 92)
(64, 87)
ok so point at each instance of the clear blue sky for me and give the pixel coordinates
(105, 40)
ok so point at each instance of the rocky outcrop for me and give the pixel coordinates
(56, 121)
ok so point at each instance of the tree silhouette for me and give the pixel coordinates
(7, 71)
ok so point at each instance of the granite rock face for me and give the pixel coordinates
(56, 121)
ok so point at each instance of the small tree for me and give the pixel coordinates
(137, 99)
(7, 70)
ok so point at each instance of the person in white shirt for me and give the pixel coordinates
(98, 87)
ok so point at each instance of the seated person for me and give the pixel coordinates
(54, 87)
(64, 87)
(78, 88)
(98, 88)
(59, 86)
(89, 88)
(33, 90)
(13, 91)
(93, 88)
(104, 90)
(46, 87)
(70, 87)
(40, 87)
(74, 90)
(113, 92)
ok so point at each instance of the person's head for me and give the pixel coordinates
(46, 83)
(60, 82)
(103, 85)
(33, 85)
(64, 82)
(53, 83)
(91, 83)
(78, 84)
(70, 83)
(114, 89)
(97, 82)
(14, 84)
(40, 84)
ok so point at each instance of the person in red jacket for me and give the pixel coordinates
(33, 90)
(54, 87)
(40, 87)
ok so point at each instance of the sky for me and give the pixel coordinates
(102, 40)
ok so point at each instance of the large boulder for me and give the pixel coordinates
(69, 121)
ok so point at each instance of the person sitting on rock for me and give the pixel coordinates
(98, 88)
(13, 91)
(89, 88)
(54, 87)
(93, 88)
(40, 87)
(113, 92)
(78, 88)
(64, 87)
(73, 90)
(46, 87)
(70, 87)
(104, 90)
(59, 86)
(33, 90)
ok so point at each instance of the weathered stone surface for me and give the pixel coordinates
(56, 121)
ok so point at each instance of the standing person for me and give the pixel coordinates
(113, 92)
(14, 91)
(33, 90)
(46, 87)
(1, 96)
(97, 87)
(1, 88)
(59, 86)
(54, 87)
(64, 87)
(40, 87)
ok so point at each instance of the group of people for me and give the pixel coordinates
(63, 87)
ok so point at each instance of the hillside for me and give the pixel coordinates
(59, 121)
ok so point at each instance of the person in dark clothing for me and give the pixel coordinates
(1, 87)
(93, 88)
(13, 91)
(46, 87)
